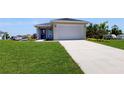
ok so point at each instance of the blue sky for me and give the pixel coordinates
(15, 26)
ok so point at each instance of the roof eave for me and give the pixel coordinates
(64, 21)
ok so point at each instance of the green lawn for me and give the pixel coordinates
(34, 58)
(113, 43)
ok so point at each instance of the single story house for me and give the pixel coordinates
(120, 36)
(62, 29)
(110, 36)
(19, 37)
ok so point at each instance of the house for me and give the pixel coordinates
(110, 36)
(120, 36)
(62, 29)
(20, 37)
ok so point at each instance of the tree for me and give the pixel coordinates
(90, 31)
(6, 36)
(34, 36)
(103, 29)
(103, 26)
(97, 30)
(115, 30)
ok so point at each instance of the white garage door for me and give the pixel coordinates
(69, 31)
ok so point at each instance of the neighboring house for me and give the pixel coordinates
(20, 37)
(120, 36)
(110, 36)
(62, 29)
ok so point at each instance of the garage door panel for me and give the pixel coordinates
(69, 31)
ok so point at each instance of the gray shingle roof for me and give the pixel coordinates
(70, 19)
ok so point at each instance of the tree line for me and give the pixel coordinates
(99, 30)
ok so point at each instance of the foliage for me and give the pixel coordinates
(34, 36)
(115, 30)
(97, 30)
(6, 36)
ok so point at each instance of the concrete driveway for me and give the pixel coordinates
(95, 58)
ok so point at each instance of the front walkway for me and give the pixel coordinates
(95, 58)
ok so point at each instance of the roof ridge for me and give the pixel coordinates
(68, 19)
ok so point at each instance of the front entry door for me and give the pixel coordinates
(43, 34)
(49, 34)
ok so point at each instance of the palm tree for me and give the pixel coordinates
(103, 26)
(103, 29)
